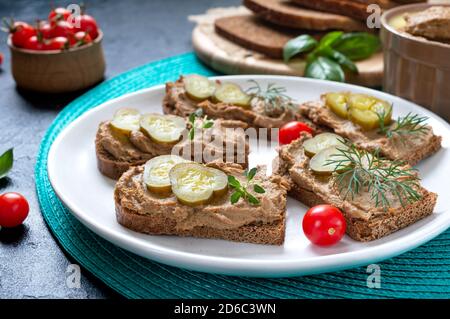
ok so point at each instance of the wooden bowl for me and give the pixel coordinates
(58, 71)
(415, 68)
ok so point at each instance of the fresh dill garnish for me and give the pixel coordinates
(207, 123)
(274, 97)
(357, 171)
(240, 191)
(409, 124)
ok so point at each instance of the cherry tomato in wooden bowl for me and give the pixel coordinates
(58, 14)
(34, 43)
(20, 32)
(324, 225)
(291, 131)
(87, 24)
(14, 209)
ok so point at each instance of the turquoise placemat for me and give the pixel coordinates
(421, 273)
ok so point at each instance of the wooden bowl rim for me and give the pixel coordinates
(97, 40)
(412, 7)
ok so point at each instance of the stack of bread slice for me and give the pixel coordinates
(250, 38)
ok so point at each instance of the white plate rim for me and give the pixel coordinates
(252, 268)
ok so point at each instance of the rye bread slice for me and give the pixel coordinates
(356, 9)
(411, 149)
(286, 14)
(293, 164)
(141, 211)
(254, 34)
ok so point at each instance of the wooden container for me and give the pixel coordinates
(415, 68)
(58, 71)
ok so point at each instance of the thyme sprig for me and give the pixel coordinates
(406, 125)
(207, 123)
(357, 171)
(273, 97)
(241, 191)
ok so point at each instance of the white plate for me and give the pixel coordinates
(89, 195)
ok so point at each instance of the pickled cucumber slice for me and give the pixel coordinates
(367, 119)
(320, 142)
(383, 109)
(231, 93)
(163, 129)
(156, 172)
(199, 88)
(337, 103)
(320, 163)
(195, 184)
(361, 101)
(126, 120)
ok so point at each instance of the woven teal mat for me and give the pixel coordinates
(421, 273)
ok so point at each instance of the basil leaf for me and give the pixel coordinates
(258, 189)
(298, 45)
(251, 173)
(235, 197)
(6, 162)
(324, 69)
(252, 199)
(330, 38)
(357, 45)
(339, 58)
(233, 182)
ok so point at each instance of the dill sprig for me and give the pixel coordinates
(357, 171)
(409, 124)
(274, 97)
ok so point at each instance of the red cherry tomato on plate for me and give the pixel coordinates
(14, 209)
(58, 43)
(291, 131)
(62, 29)
(87, 24)
(34, 43)
(324, 225)
(58, 14)
(20, 33)
(80, 38)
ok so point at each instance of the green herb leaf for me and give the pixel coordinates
(339, 58)
(235, 197)
(233, 182)
(192, 117)
(258, 189)
(6, 162)
(192, 133)
(251, 173)
(357, 45)
(300, 44)
(252, 199)
(208, 124)
(330, 38)
(324, 69)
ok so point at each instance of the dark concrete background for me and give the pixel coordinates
(32, 265)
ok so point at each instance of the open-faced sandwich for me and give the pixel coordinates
(131, 138)
(171, 196)
(367, 122)
(376, 196)
(259, 107)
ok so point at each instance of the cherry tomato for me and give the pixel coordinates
(34, 43)
(14, 209)
(291, 131)
(58, 43)
(1, 59)
(58, 14)
(324, 225)
(20, 33)
(45, 29)
(87, 24)
(80, 38)
(62, 29)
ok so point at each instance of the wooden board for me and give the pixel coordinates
(229, 58)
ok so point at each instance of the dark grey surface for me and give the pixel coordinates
(32, 265)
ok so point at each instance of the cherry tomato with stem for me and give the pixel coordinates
(20, 32)
(34, 43)
(62, 29)
(79, 39)
(291, 131)
(14, 209)
(58, 43)
(45, 29)
(324, 225)
(58, 14)
(87, 24)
